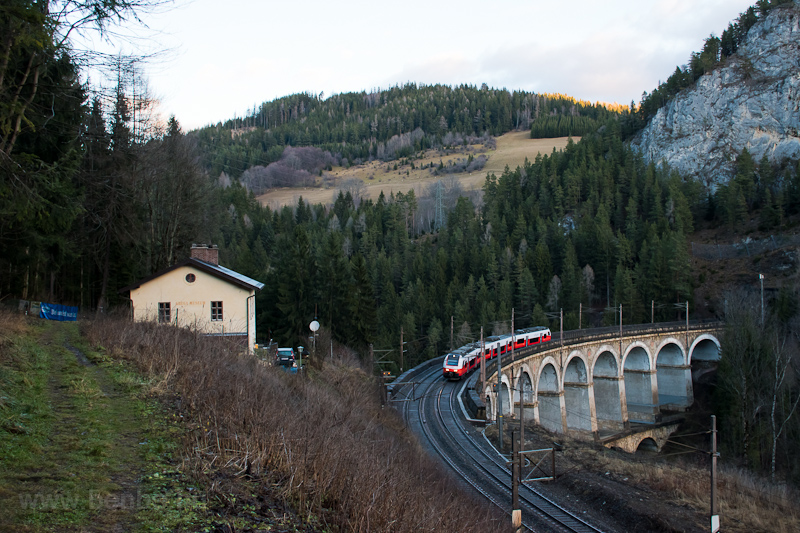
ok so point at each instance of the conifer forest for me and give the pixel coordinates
(97, 192)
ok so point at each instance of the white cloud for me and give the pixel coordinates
(252, 51)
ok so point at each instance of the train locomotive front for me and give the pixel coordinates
(459, 363)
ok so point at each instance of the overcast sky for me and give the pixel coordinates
(224, 57)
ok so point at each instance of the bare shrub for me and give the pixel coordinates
(13, 324)
(747, 502)
(355, 187)
(489, 142)
(462, 165)
(398, 145)
(297, 167)
(324, 434)
(452, 139)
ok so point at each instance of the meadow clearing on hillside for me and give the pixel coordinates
(512, 149)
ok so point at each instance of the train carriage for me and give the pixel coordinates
(464, 360)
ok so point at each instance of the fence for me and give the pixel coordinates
(745, 248)
(61, 313)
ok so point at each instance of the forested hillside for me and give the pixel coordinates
(587, 229)
(388, 124)
(94, 196)
(590, 225)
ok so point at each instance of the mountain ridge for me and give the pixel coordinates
(752, 102)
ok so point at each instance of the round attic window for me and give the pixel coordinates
(190, 278)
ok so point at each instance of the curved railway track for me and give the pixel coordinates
(431, 410)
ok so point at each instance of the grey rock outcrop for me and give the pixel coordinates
(752, 101)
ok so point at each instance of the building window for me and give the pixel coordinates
(164, 314)
(216, 311)
(190, 278)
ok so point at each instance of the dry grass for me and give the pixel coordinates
(745, 502)
(512, 149)
(12, 324)
(335, 454)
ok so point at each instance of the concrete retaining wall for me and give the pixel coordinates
(411, 373)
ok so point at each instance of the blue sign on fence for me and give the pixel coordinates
(64, 313)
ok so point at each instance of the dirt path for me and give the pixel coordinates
(76, 464)
(117, 510)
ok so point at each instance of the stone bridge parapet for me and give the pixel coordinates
(602, 380)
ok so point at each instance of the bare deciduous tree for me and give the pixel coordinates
(587, 280)
(355, 187)
(757, 377)
(297, 167)
(553, 293)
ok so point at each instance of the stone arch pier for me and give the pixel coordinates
(600, 382)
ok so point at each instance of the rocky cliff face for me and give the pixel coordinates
(752, 102)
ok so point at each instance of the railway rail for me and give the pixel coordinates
(430, 408)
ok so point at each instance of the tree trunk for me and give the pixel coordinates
(101, 301)
(774, 437)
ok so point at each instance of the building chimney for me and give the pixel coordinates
(208, 253)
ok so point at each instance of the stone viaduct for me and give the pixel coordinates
(600, 381)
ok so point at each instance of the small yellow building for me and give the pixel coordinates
(200, 294)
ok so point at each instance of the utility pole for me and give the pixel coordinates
(483, 364)
(451, 333)
(652, 311)
(714, 455)
(382, 376)
(761, 279)
(521, 416)
(561, 335)
(401, 349)
(516, 512)
(580, 315)
(687, 325)
(620, 330)
(314, 326)
(512, 336)
(499, 399)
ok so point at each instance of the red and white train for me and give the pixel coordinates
(462, 361)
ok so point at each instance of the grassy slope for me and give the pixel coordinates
(512, 149)
(230, 445)
(262, 442)
(82, 445)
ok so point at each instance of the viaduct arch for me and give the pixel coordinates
(598, 382)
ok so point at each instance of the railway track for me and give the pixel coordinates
(431, 410)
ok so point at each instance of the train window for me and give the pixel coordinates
(452, 360)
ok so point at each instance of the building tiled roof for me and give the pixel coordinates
(226, 274)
